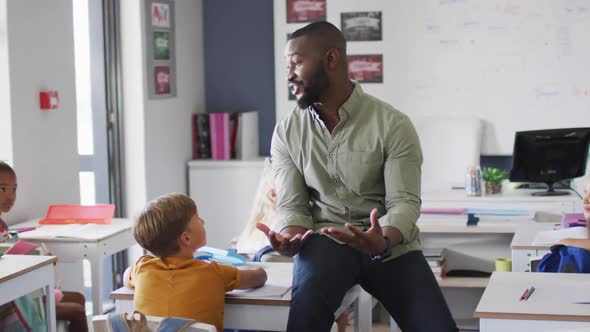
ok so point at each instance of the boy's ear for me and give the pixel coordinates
(184, 239)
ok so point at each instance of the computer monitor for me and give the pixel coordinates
(549, 155)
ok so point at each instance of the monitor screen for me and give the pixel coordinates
(550, 155)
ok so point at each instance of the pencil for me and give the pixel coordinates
(529, 294)
(524, 294)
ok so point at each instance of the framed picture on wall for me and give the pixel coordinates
(300, 11)
(361, 26)
(162, 80)
(161, 45)
(160, 50)
(366, 68)
(160, 14)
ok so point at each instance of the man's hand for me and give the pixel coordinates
(289, 243)
(370, 241)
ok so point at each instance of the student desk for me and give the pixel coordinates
(550, 308)
(267, 313)
(22, 274)
(522, 245)
(72, 245)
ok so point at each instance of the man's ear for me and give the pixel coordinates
(333, 58)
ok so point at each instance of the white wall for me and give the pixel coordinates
(133, 72)
(5, 117)
(158, 131)
(517, 65)
(168, 120)
(40, 56)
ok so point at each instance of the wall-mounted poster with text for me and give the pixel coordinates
(299, 11)
(361, 26)
(366, 68)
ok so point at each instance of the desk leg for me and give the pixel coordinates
(96, 271)
(50, 304)
(363, 319)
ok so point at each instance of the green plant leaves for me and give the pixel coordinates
(492, 174)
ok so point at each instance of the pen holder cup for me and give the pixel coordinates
(504, 264)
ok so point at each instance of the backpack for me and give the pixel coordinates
(137, 322)
(565, 259)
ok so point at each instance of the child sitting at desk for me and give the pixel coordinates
(582, 243)
(174, 283)
(253, 242)
(570, 255)
(70, 307)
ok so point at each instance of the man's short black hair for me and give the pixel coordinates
(325, 35)
(315, 28)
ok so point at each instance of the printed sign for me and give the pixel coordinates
(299, 11)
(361, 26)
(366, 68)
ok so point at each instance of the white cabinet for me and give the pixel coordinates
(224, 192)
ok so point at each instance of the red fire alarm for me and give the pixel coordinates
(48, 100)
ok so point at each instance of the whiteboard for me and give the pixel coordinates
(515, 64)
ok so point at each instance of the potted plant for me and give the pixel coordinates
(493, 178)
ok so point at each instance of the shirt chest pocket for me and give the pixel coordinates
(361, 171)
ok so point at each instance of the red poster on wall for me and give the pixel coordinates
(299, 11)
(366, 68)
(162, 80)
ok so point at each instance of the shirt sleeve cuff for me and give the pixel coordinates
(285, 220)
(403, 223)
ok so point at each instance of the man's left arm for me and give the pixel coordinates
(402, 176)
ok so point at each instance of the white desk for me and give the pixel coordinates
(549, 308)
(522, 245)
(92, 242)
(267, 313)
(22, 274)
(483, 243)
(517, 199)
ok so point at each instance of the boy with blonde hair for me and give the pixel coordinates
(174, 283)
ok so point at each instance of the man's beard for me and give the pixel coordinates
(317, 87)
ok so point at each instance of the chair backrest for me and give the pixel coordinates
(450, 144)
(99, 324)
